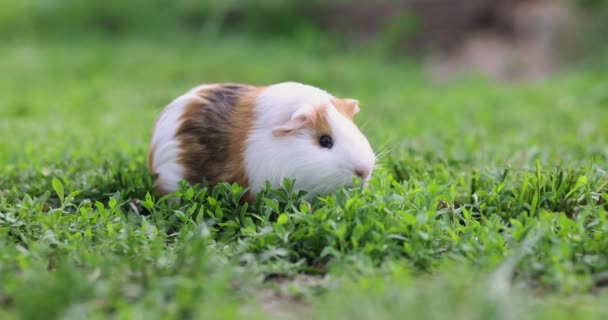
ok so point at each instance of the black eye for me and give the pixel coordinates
(325, 141)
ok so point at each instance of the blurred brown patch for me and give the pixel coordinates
(522, 44)
(503, 39)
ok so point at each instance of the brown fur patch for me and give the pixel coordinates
(213, 132)
(241, 124)
(344, 107)
(319, 124)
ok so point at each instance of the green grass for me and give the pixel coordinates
(490, 202)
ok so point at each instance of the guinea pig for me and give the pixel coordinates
(251, 135)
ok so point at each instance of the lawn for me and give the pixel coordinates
(490, 201)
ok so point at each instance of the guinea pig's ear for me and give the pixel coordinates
(348, 107)
(302, 116)
(353, 104)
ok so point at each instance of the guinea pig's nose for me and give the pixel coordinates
(361, 172)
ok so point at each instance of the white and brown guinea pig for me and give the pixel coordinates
(253, 135)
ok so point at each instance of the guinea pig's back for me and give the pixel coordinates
(194, 137)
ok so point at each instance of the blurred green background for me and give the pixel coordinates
(399, 27)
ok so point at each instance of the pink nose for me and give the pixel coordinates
(361, 172)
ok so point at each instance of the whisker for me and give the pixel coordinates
(381, 155)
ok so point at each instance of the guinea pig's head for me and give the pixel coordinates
(323, 148)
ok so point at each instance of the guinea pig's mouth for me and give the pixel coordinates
(344, 178)
(352, 180)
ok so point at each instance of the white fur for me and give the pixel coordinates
(316, 170)
(166, 146)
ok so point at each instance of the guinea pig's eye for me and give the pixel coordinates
(325, 141)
